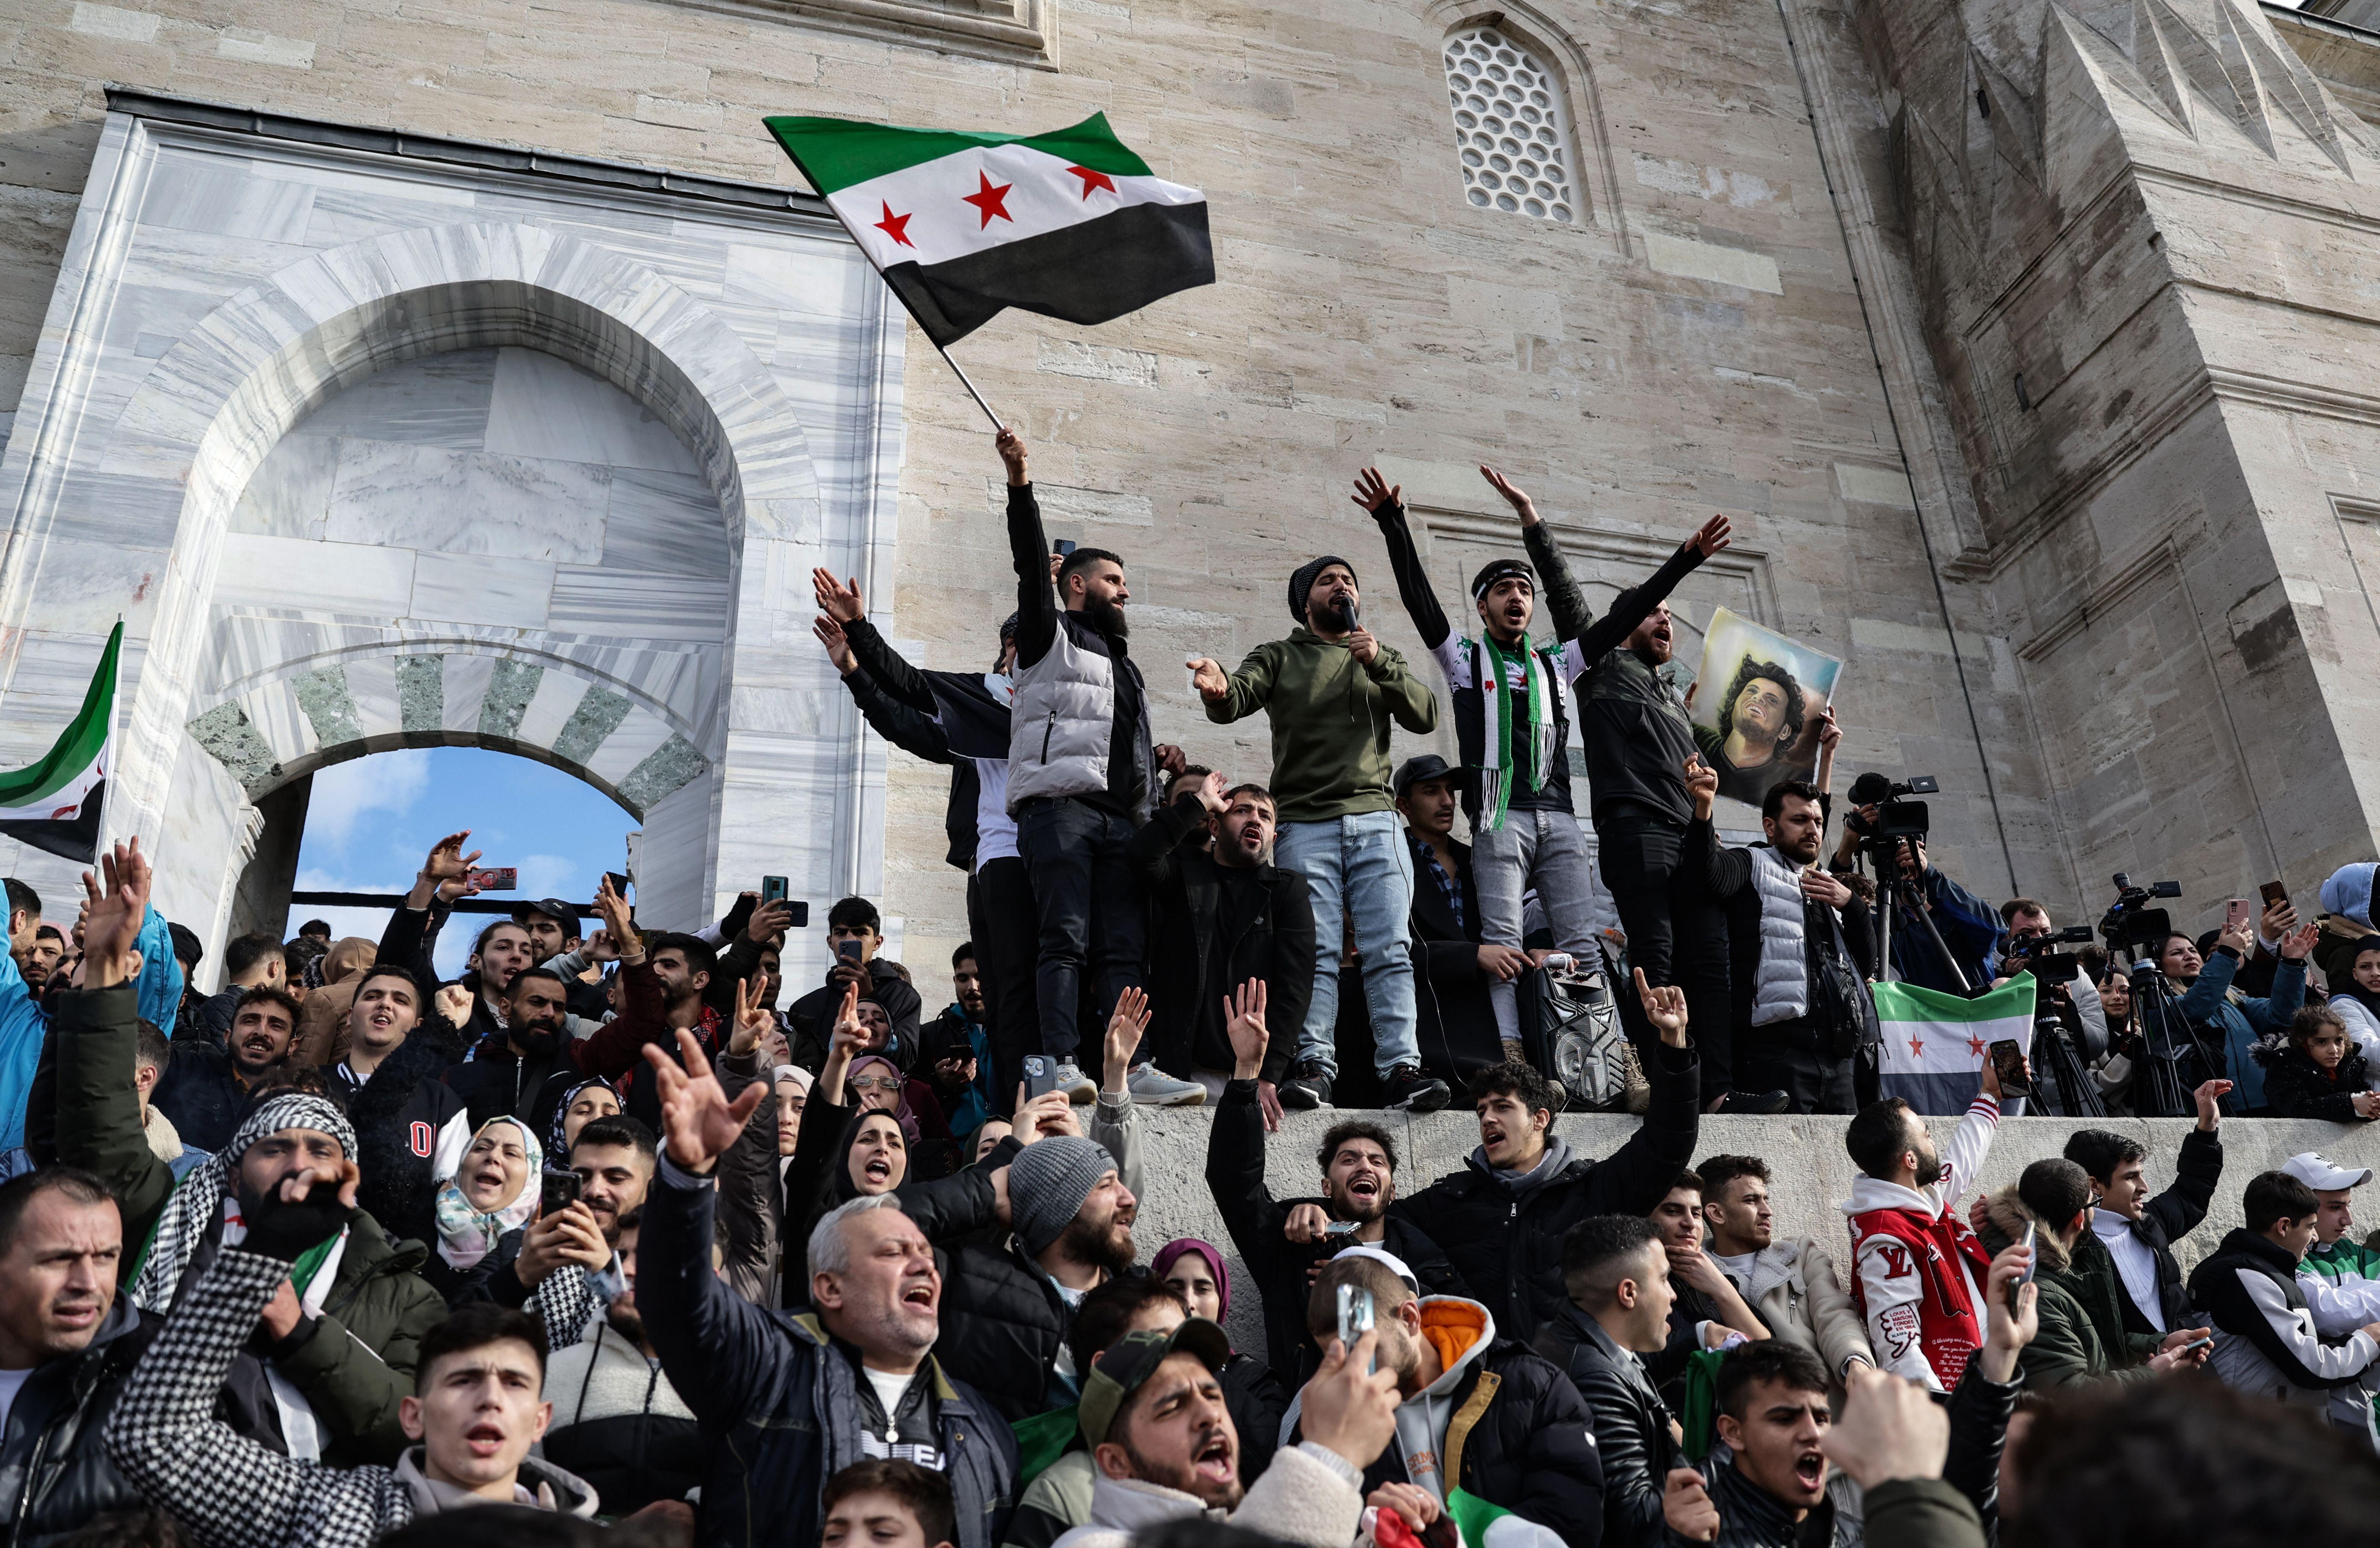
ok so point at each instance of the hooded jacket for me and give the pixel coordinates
(1200, 953)
(778, 1403)
(1923, 1299)
(811, 1019)
(620, 1425)
(2296, 1087)
(1331, 716)
(1501, 1422)
(411, 1129)
(2265, 1340)
(229, 1491)
(1254, 1218)
(2070, 1349)
(355, 1362)
(1506, 1234)
(1308, 1496)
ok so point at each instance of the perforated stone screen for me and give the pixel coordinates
(1510, 126)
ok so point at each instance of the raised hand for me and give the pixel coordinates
(1713, 536)
(1210, 791)
(752, 1018)
(616, 923)
(2298, 942)
(1375, 493)
(769, 921)
(1243, 1022)
(454, 1003)
(1516, 497)
(1349, 1408)
(1665, 1006)
(601, 947)
(1829, 731)
(1011, 447)
(2209, 1098)
(1888, 1429)
(2278, 920)
(445, 873)
(838, 649)
(839, 600)
(697, 1121)
(2008, 1332)
(1701, 785)
(1172, 758)
(112, 917)
(1124, 1030)
(1050, 1113)
(1208, 677)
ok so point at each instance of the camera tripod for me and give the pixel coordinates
(2054, 1051)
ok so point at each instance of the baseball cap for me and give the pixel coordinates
(554, 908)
(1132, 1359)
(2317, 1172)
(1412, 771)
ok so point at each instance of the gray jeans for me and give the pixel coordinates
(1540, 850)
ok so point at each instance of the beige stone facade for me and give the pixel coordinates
(1801, 276)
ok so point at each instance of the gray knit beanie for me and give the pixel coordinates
(1047, 1182)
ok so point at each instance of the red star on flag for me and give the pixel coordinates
(990, 199)
(1916, 1048)
(895, 226)
(1975, 1045)
(1093, 179)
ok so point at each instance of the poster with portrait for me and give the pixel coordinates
(1755, 705)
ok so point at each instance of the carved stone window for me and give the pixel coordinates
(1511, 126)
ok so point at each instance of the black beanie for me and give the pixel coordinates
(1302, 581)
(1496, 569)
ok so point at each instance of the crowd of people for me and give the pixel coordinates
(612, 1236)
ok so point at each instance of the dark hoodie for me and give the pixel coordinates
(2296, 1087)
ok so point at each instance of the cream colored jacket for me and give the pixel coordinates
(1793, 1288)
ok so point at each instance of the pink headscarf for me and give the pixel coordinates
(1172, 1254)
(902, 1113)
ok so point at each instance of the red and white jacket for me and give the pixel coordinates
(1918, 1273)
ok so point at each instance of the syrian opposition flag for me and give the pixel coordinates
(1070, 224)
(54, 805)
(1934, 1043)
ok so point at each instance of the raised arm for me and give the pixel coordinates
(1639, 1174)
(1729, 870)
(1154, 851)
(841, 605)
(1380, 498)
(1232, 696)
(1565, 601)
(1028, 549)
(1634, 606)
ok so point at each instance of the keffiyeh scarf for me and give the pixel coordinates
(467, 1233)
(208, 1201)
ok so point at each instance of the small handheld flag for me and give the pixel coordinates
(54, 805)
(1071, 225)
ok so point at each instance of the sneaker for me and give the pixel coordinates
(1307, 1089)
(1151, 1086)
(1078, 1087)
(1406, 1087)
(1764, 1103)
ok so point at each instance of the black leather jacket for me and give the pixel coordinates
(1631, 1428)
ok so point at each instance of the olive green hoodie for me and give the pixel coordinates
(1330, 722)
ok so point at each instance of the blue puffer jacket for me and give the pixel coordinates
(2244, 1020)
(778, 1405)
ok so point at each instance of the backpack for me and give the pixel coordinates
(1570, 1030)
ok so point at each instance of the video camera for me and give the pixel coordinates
(2129, 924)
(2039, 956)
(1897, 817)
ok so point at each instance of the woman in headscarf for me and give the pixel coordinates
(581, 1105)
(1255, 1396)
(877, 1084)
(483, 1208)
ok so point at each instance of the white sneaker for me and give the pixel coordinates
(1079, 1088)
(1151, 1086)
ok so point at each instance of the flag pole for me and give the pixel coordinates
(964, 381)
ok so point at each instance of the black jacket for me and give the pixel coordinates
(495, 1081)
(1455, 1020)
(2296, 1087)
(811, 1020)
(201, 1096)
(210, 1020)
(1631, 1428)
(942, 717)
(1750, 1517)
(54, 1474)
(1236, 1175)
(1192, 964)
(399, 1116)
(2169, 1217)
(1531, 1450)
(1507, 1238)
(1979, 1420)
(2279, 1329)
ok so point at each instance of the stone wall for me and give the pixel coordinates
(1805, 1157)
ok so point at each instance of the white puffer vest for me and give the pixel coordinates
(1062, 723)
(1780, 989)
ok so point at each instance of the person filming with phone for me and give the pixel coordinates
(2202, 985)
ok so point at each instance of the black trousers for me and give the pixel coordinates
(1677, 933)
(1000, 917)
(1783, 1056)
(1092, 910)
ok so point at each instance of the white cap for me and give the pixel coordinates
(2311, 1168)
(1382, 1254)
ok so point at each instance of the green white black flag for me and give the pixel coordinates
(1071, 225)
(54, 805)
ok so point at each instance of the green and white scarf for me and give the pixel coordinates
(1501, 769)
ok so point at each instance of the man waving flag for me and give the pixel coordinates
(1071, 225)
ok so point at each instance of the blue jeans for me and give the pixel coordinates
(1363, 859)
